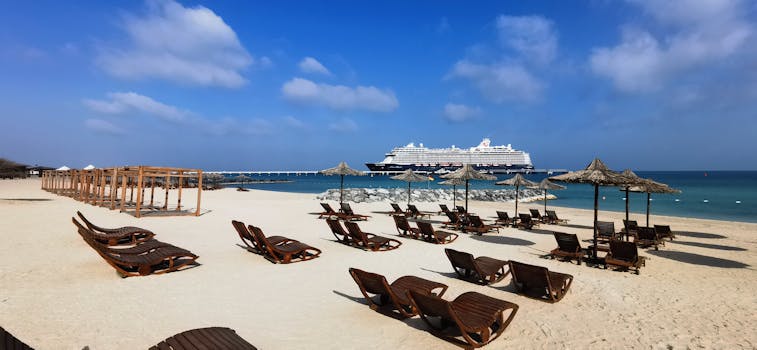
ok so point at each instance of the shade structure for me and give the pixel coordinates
(547, 185)
(631, 174)
(467, 173)
(597, 174)
(649, 187)
(63, 168)
(242, 178)
(89, 167)
(410, 176)
(518, 180)
(342, 169)
(454, 183)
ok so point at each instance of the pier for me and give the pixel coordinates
(314, 172)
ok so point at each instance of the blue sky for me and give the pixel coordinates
(648, 85)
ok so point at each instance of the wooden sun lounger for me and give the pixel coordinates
(663, 231)
(330, 212)
(117, 236)
(629, 227)
(539, 282)
(338, 231)
(476, 318)
(249, 239)
(482, 270)
(461, 209)
(370, 241)
(9, 342)
(413, 210)
(285, 252)
(503, 218)
(606, 231)
(568, 247)
(443, 209)
(215, 338)
(476, 225)
(347, 210)
(553, 219)
(537, 216)
(624, 255)
(455, 222)
(393, 297)
(647, 237)
(435, 236)
(524, 221)
(396, 210)
(404, 228)
(138, 261)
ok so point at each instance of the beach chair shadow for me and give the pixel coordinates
(358, 300)
(710, 246)
(699, 234)
(503, 240)
(445, 274)
(698, 259)
(577, 226)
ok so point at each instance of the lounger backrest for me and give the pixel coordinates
(413, 209)
(622, 250)
(630, 224)
(260, 239)
(567, 242)
(327, 208)
(244, 234)
(647, 233)
(396, 208)
(443, 207)
(432, 305)
(401, 222)
(606, 228)
(461, 259)
(86, 222)
(524, 218)
(372, 282)
(531, 275)
(355, 232)
(662, 230)
(475, 221)
(453, 217)
(88, 234)
(347, 209)
(336, 227)
(461, 209)
(8, 341)
(552, 215)
(502, 215)
(535, 213)
(426, 228)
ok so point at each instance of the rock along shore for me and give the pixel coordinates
(398, 195)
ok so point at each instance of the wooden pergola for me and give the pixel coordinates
(109, 187)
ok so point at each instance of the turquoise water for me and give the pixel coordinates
(720, 195)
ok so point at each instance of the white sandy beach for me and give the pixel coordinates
(57, 293)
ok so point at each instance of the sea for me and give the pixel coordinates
(719, 195)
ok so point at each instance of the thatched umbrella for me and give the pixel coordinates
(517, 181)
(341, 170)
(631, 174)
(454, 183)
(650, 186)
(548, 185)
(597, 174)
(242, 178)
(410, 176)
(467, 173)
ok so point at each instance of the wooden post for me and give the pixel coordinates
(152, 189)
(123, 192)
(181, 179)
(167, 185)
(139, 191)
(199, 191)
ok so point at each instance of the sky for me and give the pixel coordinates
(302, 85)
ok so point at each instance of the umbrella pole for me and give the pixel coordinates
(516, 201)
(648, 195)
(341, 190)
(408, 193)
(596, 208)
(627, 200)
(466, 196)
(454, 196)
(545, 201)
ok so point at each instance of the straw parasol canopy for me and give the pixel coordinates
(547, 185)
(454, 183)
(242, 178)
(89, 167)
(410, 176)
(518, 180)
(631, 174)
(597, 174)
(651, 186)
(63, 168)
(467, 173)
(342, 169)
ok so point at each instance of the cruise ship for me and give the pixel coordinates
(484, 157)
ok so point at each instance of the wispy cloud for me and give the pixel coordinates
(343, 125)
(293, 122)
(460, 112)
(500, 82)
(339, 97)
(176, 43)
(104, 127)
(532, 37)
(126, 102)
(311, 65)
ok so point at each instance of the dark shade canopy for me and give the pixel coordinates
(410, 176)
(454, 183)
(342, 169)
(632, 175)
(548, 185)
(467, 173)
(518, 180)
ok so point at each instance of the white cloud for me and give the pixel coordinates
(126, 102)
(339, 97)
(459, 112)
(103, 126)
(186, 45)
(293, 122)
(311, 65)
(699, 33)
(533, 37)
(231, 126)
(343, 125)
(500, 82)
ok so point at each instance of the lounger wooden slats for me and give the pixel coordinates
(455, 222)
(663, 231)
(346, 209)
(330, 212)
(249, 239)
(535, 215)
(461, 209)
(160, 260)
(117, 236)
(503, 218)
(629, 227)
(9, 342)
(338, 231)
(483, 270)
(396, 210)
(624, 255)
(606, 231)
(524, 221)
(568, 247)
(647, 237)
(552, 216)
(435, 236)
(288, 251)
(413, 210)
(393, 298)
(476, 225)
(471, 320)
(212, 338)
(539, 282)
(443, 209)
(370, 241)
(404, 228)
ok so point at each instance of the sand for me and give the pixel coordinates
(57, 293)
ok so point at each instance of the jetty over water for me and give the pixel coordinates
(315, 172)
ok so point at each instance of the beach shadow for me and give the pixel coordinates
(26, 199)
(502, 240)
(537, 231)
(698, 259)
(576, 226)
(698, 234)
(355, 299)
(709, 246)
(445, 274)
